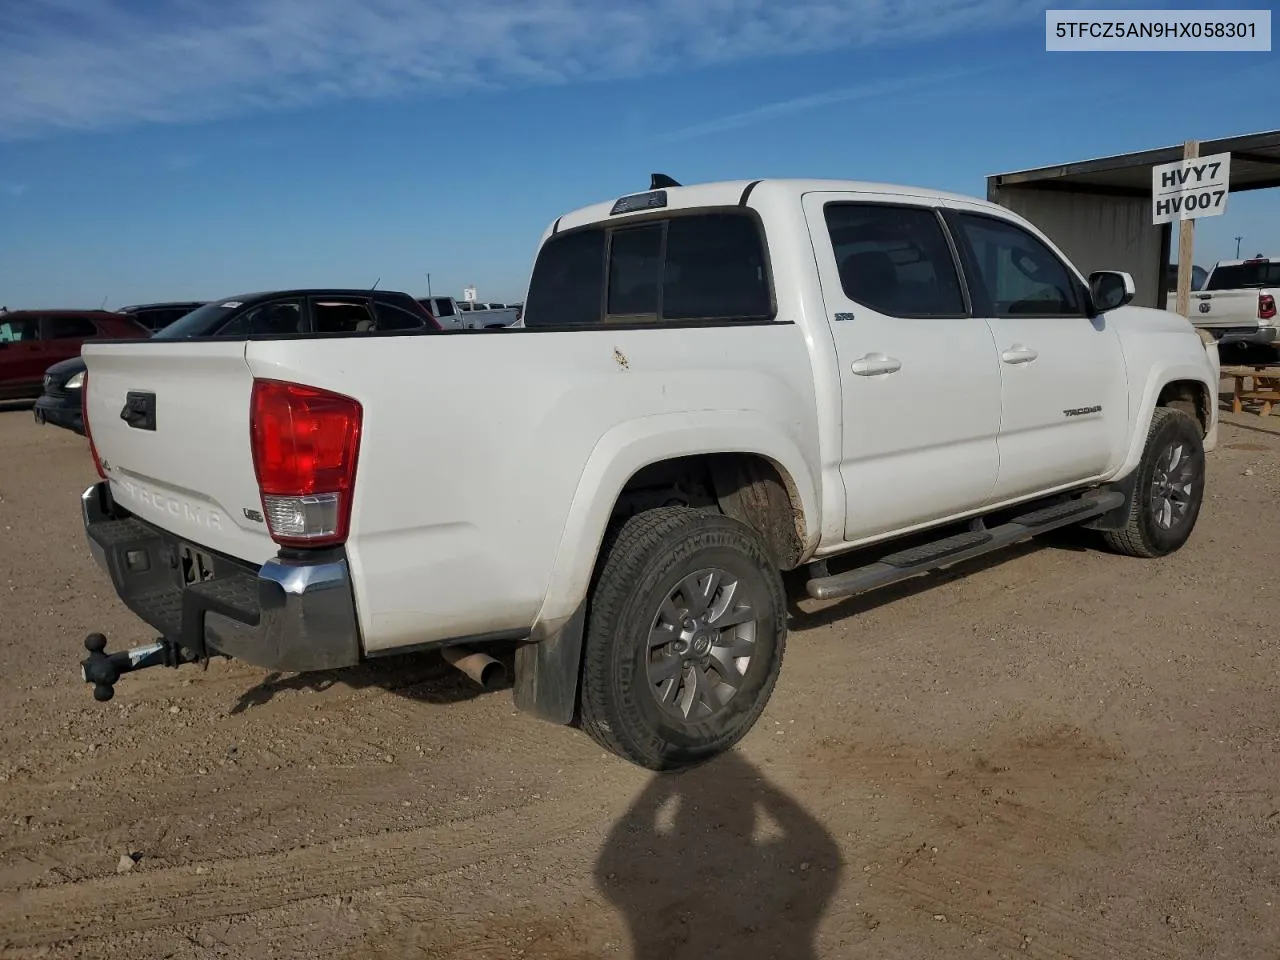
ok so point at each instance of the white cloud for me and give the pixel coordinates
(869, 91)
(96, 64)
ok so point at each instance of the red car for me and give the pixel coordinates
(33, 340)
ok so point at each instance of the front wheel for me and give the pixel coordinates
(1169, 490)
(684, 643)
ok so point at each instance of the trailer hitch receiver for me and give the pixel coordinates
(103, 669)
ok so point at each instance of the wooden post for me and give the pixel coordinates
(1186, 243)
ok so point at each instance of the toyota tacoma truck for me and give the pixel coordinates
(1237, 303)
(711, 385)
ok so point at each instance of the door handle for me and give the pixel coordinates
(874, 364)
(1018, 354)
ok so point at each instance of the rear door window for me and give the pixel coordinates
(342, 315)
(391, 316)
(895, 259)
(444, 308)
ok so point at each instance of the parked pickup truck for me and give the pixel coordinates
(488, 315)
(453, 315)
(1237, 303)
(710, 385)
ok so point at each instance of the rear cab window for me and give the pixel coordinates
(699, 265)
(1241, 276)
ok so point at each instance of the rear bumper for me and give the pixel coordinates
(293, 615)
(1261, 335)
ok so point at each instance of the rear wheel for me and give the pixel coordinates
(1170, 487)
(685, 638)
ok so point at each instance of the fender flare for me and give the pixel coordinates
(1157, 381)
(546, 681)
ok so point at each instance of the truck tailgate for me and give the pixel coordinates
(1226, 308)
(182, 459)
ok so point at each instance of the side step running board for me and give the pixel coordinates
(906, 564)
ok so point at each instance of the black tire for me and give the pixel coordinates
(650, 556)
(1143, 535)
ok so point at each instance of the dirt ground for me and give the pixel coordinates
(1060, 753)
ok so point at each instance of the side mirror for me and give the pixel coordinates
(1111, 289)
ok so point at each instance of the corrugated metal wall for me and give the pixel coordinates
(1097, 232)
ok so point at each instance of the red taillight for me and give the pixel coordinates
(84, 419)
(305, 442)
(1266, 306)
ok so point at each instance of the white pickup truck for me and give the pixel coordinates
(710, 385)
(1237, 302)
(452, 315)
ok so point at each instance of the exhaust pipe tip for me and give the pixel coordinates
(484, 670)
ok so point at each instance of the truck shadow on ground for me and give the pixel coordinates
(424, 677)
(717, 862)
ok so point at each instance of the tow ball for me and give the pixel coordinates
(103, 669)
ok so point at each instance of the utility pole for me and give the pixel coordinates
(1238, 239)
(1186, 242)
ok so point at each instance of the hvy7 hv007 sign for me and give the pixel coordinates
(1187, 189)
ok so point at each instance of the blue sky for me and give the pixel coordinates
(166, 149)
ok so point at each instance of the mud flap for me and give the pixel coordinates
(1117, 519)
(548, 669)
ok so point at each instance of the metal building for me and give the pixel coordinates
(1099, 211)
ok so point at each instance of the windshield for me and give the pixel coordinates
(1240, 276)
(201, 322)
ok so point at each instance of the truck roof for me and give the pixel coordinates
(729, 193)
(1238, 263)
(160, 304)
(307, 292)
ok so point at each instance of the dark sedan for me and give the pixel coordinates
(259, 314)
(60, 403)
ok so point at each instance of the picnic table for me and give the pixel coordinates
(1265, 389)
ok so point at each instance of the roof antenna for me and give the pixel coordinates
(104, 303)
(660, 181)
(375, 284)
